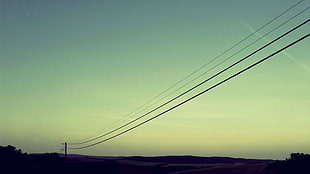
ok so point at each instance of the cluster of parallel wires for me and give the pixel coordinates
(290, 21)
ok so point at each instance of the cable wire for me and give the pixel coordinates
(196, 86)
(183, 79)
(202, 92)
(236, 53)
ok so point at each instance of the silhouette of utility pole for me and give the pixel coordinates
(66, 147)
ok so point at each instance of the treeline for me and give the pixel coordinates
(298, 163)
(13, 160)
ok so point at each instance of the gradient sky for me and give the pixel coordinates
(70, 68)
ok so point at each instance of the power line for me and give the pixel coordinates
(191, 74)
(197, 95)
(196, 86)
(196, 77)
(236, 53)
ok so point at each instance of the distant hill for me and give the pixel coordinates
(90, 156)
(186, 159)
(195, 160)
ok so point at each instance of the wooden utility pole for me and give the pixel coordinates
(66, 147)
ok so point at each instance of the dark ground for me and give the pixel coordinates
(14, 161)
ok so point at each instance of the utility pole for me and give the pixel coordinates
(66, 147)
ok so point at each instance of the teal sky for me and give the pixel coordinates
(70, 68)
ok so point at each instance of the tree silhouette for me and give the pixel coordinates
(12, 160)
(297, 163)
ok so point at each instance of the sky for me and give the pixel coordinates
(69, 69)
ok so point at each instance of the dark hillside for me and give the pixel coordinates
(195, 160)
(13, 161)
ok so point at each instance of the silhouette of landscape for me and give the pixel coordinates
(13, 160)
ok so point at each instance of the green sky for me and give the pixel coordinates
(70, 68)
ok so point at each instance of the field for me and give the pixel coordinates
(166, 165)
